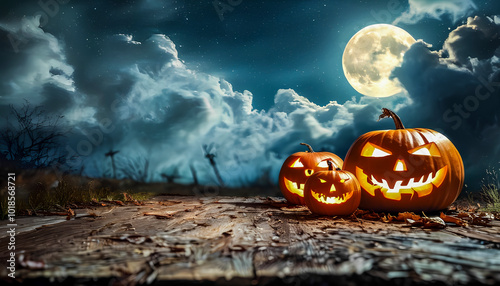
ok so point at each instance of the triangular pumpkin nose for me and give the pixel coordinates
(400, 165)
(332, 188)
(309, 172)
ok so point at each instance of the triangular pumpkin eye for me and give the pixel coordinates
(426, 150)
(297, 164)
(372, 150)
(323, 164)
(322, 181)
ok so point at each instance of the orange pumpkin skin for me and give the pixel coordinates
(405, 169)
(332, 193)
(298, 167)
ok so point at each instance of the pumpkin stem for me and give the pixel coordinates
(389, 113)
(308, 146)
(330, 165)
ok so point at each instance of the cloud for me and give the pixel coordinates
(478, 38)
(436, 9)
(457, 90)
(169, 111)
(34, 66)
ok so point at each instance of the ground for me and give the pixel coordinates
(224, 240)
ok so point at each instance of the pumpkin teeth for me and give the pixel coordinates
(322, 198)
(430, 178)
(421, 180)
(298, 186)
(411, 181)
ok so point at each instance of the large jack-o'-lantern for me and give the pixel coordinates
(299, 167)
(414, 169)
(332, 192)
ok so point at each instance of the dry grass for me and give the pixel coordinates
(490, 191)
(69, 191)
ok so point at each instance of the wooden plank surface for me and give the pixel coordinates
(248, 241)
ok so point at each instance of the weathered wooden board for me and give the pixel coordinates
(248, 241)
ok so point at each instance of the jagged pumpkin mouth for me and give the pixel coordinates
(422, 186)
(294, 187)
(332, 200)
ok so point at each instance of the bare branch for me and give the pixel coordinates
(30, 138)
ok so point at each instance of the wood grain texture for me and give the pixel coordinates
(248, 241)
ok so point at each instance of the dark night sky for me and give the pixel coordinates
(260, 46)
(287, 54)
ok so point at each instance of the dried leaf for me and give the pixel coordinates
(388, 218)
(434, 222)
(487, 216)
(416, 223)
(464, 215)
(480, 221)
(371, 216)
(364, 214)
(408, 215)
(457, 221)
(118, 202)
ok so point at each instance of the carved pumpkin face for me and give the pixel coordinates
(406, 169)
(298, 168)
(333, 192)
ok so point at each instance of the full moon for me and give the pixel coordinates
(371, 55)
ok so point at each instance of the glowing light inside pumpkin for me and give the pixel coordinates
(323, 164)
(297, 164)
(422, 187)
(333, 200)
(427, 150)
(372, 150)
(294, 187)
(400, 166)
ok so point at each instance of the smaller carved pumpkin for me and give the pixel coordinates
(298, 168)
(332, 192)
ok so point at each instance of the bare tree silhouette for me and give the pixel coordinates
(171, 177)
(211, 159)
(111, 153)
(29, 138)
(136, 169)
(195, 177)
